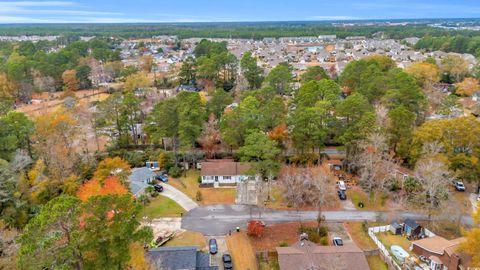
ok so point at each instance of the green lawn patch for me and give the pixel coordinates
(376, 263)
(162, 207)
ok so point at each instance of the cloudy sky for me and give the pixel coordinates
(117, 11)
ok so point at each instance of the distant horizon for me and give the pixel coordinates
(218, 11)
(248, 22)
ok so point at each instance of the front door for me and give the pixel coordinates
(216, 178)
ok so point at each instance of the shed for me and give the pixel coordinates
(412, 228)
(396, 228)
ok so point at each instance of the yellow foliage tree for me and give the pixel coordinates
(70, 81)
(7, 87)
(112, 166)
(472, 244)
(467, 87)
(426, 74)
(137, 258)
(455, 66)
(146, 63)
(136, 81)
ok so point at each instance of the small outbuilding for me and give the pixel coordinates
(396, 228)
(412, 228)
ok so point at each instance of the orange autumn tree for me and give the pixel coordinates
(113, 167)
(110, 186)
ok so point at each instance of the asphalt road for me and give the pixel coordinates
(220, 219)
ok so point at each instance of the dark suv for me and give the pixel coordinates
(227, 261)
(158, 188)
(212, 246)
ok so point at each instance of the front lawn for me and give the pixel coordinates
(187, 185)
(162, 207)
(218, 195)
(188, 238)
(357, 195)
(376, 263)
(240, 247)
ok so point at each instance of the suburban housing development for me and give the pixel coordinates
(320, 142)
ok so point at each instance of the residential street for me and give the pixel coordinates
(219, 219)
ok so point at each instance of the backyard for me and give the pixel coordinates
(161, 206)
(388, 239)
(190, 186)
(376, 263)
(359, 235)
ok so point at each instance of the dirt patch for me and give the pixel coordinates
(188, 238)
(276, 234)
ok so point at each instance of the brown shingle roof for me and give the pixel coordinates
(311, 256)
(437, 244)
(227, 168)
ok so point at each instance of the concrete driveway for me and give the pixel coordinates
(178, 196)
(216, 259)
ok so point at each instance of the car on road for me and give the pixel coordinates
(158, 188)
(342, 186)
(212, 246)
(227, 261)
(337, 241)
(342, 195)
(161, 177)
(459, 186)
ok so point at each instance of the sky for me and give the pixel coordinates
(146, 11)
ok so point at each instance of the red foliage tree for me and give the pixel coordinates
(255, 228)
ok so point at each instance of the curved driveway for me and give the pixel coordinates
(178, 196)
(219, 219)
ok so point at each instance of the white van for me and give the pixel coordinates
(341, 185)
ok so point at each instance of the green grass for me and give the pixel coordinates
(388, 239)
(357, 195)
(162, 207)
(187, 185)
(376, 263)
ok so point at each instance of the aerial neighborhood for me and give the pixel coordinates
(250, 146)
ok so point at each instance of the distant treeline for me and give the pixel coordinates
(230, 30)
(460, 44)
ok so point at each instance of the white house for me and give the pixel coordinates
(224, 172)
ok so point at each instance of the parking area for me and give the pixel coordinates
(222, 248)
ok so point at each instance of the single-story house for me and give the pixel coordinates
(412, 228)
(307, 255)
(179, 258)
(139, 180)
(443, 253)
(224, 172)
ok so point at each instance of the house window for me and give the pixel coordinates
(207, 178)
(227, 178)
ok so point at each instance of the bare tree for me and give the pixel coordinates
(320, 190)
(375, 162)
(294, 192)
(210, 138)
(433, 175)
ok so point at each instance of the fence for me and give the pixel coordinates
(383, 250)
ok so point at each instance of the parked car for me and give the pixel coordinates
(342, 186)
(212, 246)
(424, 259)
(227, 261)
(459, 186)
(158, 188)
(161, 177)
(337, 241)
(342, 195)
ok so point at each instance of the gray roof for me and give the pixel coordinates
(138, 179)
(179, 258)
